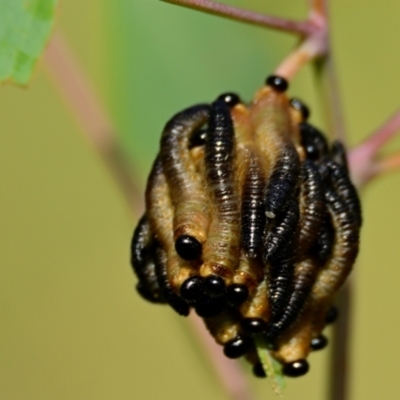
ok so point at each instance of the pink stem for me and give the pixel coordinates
(379, 138)
(311, 48)
(302, 28)
(363, 159)
(96, 125)
(230, 373)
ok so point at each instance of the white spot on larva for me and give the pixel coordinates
(270, 214)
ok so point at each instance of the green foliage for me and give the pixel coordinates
(272, 368)
(25, 26)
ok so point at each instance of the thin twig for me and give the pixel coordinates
(98, 130)
(310, 49)
(92, 116)
(381, 136)
(230, 373)
(302, 28)
(318, 9)
(363, 160)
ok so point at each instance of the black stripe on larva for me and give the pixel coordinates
(304, 277)
(175, 301)
(347, 234)
(142, 260)
(253, 213)
(313, 142)
(279, 253)
(280, 280)
(314, 209)
(282, 181)
(322, 248)
(281, 232)
(339, 155)
(188, 121)
(342, 185)
(218, 157)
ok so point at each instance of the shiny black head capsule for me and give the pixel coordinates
(253, 326)
(300, 107)
(188, 247)
(296, 368)
(209, 308)
(319, 343)
(236, 294)
(258, 371)
(192, 289)
(237, 347)
(278, 83)
(230, 99)
(214, 286)
(198, 138)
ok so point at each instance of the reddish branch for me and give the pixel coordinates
(302, 28)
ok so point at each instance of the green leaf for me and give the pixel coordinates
(25, 26)
(272, 368)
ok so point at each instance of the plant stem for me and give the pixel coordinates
(301, 28)
(307, 51)
(363, 160)
(318, 8)
(230, 372)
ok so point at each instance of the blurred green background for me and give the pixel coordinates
(72, 326)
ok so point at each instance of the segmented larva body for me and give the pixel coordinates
(160, 214)
(312, 205)
(252, 221)
(273, 128)
(253, 216)
(186, 188)
(221, 250)
(143, 262)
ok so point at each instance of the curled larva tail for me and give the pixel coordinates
(344, 209)
(305, 274)
(143, 262)
(185, 184)
(160, 214)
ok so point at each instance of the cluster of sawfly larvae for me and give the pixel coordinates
(251, 220)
